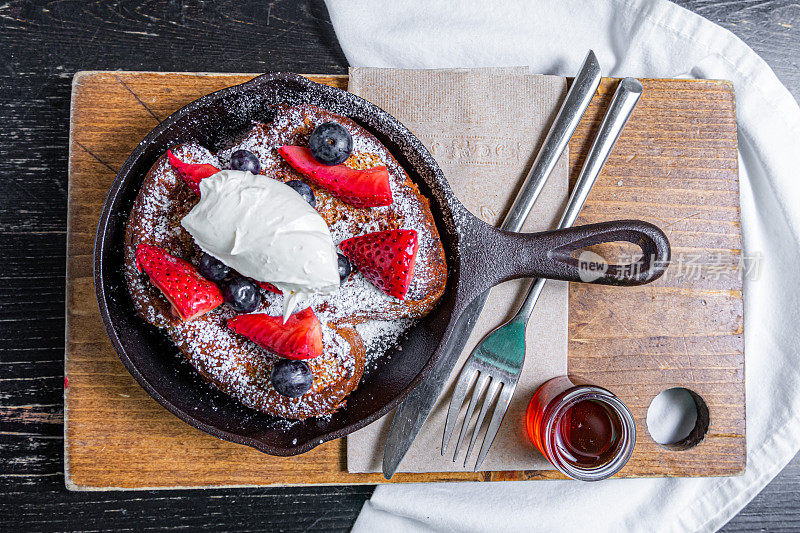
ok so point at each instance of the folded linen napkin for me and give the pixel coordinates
(645, 38)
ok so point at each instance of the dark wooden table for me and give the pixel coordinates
(42, 44)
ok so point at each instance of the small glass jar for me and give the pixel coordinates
(586, 432)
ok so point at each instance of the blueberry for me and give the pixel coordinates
(344, 268)
(303, 190)
(291, 378)
(330, 143)
(212, 268)
(245, 160)
(242, 294)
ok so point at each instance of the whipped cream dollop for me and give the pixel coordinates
(266, 231)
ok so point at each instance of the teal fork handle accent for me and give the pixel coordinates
(504, 347)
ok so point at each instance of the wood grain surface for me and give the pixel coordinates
(680, 331)
(44, 43)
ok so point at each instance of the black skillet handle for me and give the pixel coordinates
(554, 254)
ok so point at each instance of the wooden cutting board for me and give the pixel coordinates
(675, 165)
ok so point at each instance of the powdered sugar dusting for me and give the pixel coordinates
(360, 322)
(158, 224)
(245, 367)
(381, 335)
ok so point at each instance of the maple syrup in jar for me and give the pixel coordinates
(586, 432)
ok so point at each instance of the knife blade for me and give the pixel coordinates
(412, 413)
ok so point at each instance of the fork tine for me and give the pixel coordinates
(477, 392)
(497, 418)
(460, 392)
(491, 395)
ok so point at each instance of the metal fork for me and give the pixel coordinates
(494, 366)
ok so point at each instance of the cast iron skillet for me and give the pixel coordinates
(479, 256)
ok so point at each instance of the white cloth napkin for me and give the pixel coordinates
(648, 38)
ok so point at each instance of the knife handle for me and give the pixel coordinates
(575, 104)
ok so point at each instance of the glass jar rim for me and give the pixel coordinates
(568, 399)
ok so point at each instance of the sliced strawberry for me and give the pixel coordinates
(268, 287)
(190, 172)
(385, 258)
(361, 188)
(299, 338)
(190, 294)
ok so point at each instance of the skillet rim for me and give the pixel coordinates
(448, 206)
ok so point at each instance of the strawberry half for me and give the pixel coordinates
(385, 258)
(299, 338)
(191, 173)
(360, 188)
(190, 294)
(268, 287)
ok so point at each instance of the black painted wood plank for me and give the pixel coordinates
(42, 44)
(770, 27)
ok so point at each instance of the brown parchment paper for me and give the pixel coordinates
(484, 127)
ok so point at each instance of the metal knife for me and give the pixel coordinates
(412, 413)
